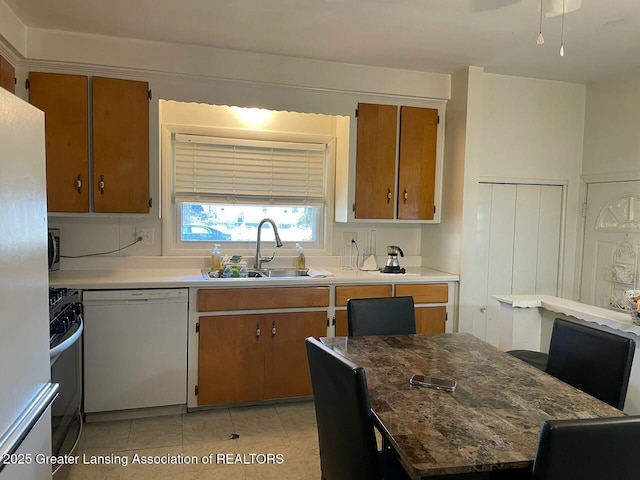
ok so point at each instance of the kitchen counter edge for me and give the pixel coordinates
(192, 278)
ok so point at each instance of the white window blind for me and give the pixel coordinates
(233, 170)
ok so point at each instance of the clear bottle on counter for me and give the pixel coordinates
(300, 260)
(216, 259)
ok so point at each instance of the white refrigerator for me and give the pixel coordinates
(26, 392)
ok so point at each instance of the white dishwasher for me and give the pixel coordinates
(135, 348)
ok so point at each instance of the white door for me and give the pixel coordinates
(611, 243)
(517, 248)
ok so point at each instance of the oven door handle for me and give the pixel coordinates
(62, 346)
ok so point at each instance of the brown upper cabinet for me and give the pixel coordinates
(120, 145)
(7, 75)
(119, 130)
(64, 99)
(396, 167)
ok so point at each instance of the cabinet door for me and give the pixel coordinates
(428, 320)
(376, 161)
(342, 325)
(345, 292)
(286, 367)
(120, 145)
(63, 99)
(431, 319)
(417, 164)
(221, 299)
(424, 292)
(7, 75)
(231, 359)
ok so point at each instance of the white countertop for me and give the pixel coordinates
(192, 277)
(590, 313)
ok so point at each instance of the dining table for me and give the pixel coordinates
(487, 428)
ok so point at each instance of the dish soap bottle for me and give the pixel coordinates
(300, 262)
(216, 259)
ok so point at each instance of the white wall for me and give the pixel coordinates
(508, 129)
(612, 128)
(441, 242)
(13, 31)
(533, 131)
(532, 128)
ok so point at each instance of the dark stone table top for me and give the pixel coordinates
(491, 421)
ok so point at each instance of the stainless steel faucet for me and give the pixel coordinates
(258, 259)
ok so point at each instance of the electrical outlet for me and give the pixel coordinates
(146, 234)
(348, 237)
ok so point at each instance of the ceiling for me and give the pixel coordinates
(442, 36)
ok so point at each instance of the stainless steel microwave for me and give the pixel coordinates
(54, 249)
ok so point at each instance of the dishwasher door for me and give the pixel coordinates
(135, 348)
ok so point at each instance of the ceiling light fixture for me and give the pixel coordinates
(552, 8)
(562, 32)
(540, 40)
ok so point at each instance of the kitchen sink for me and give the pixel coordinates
(263, 273)
(284, 272)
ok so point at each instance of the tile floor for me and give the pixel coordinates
(288, 429)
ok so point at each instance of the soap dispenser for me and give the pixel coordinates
(300, 261)
(216, 259)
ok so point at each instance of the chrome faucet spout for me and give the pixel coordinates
(258, 259)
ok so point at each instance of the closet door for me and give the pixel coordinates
(517, 247)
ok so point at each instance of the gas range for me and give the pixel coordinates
(65, 328)
(65, 314)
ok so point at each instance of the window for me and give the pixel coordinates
(223, 187)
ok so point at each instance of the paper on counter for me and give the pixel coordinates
(319, 273)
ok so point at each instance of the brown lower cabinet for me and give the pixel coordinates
(244, 358)
(429, 319)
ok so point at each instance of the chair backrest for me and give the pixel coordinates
(345, 424)
(591, 449)
(595, 361)
(381, 316)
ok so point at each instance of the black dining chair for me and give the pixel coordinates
(595, 361)
(345, 422)
(381, 316)
(588, 449)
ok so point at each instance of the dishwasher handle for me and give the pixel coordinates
(156, 295)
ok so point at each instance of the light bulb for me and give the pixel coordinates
(562, 49)
(540, 39)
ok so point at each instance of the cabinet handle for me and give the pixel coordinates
(405, 196)
(388, 195)
(257, 331)
(101, 184)
(273, 329)
(79, 184)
